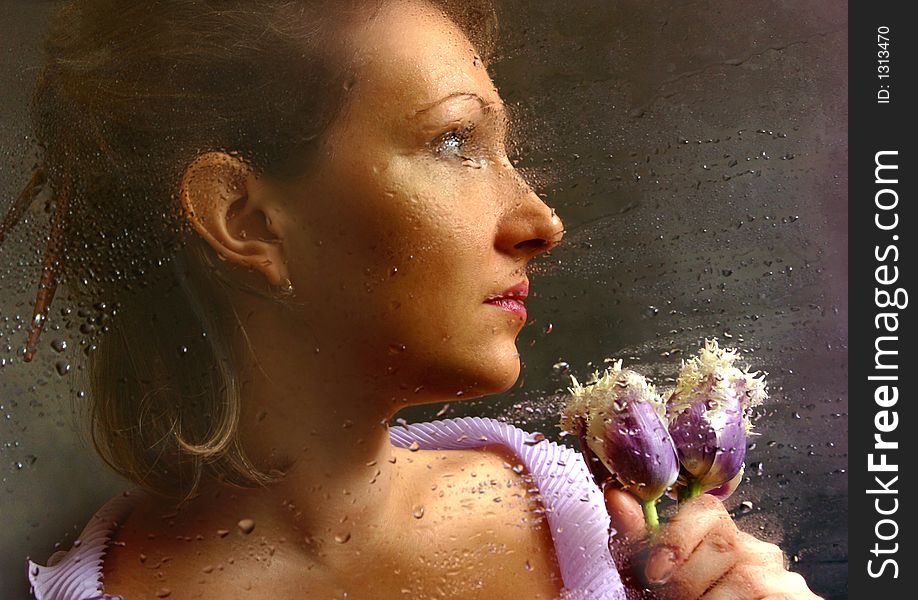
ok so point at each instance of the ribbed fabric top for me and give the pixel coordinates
(574, 509)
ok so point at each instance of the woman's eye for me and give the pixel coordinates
(453, 140)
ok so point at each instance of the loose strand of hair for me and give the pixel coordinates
(51, 263)
(23, 201)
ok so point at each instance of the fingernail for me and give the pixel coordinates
(660, 565)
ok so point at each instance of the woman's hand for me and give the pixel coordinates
(700, 554)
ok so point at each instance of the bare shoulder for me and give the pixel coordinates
(160, 553)
(134, 553)
(487, 505)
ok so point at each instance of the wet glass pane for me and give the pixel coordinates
(695, 152)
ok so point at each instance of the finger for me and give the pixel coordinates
(700, 517)
(627, 518)
(752, 550)
(744, 582)
(710, 561)
(792, 585)
(754, 582)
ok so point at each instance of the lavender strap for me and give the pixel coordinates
(77, 574)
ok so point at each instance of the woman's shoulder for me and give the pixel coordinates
(477, 510)
(159, 545)
(575, 520)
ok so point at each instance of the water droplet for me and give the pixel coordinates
(414, 447)
(59, 345)
(536, 438)
(223, 532)
(417, 512)
(164, 593)
(342, 538)
(246, 526)
(62, 367)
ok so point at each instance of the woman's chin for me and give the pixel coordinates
(499, 371)
(482, 372)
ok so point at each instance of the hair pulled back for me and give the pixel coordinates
(130, 93)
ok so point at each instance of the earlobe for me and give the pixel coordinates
(235, 213)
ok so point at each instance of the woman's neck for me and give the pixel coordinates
(326, 428)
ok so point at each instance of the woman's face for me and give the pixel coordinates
(416, 216)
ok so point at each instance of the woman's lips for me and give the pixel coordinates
(511, 299)
(514, 306)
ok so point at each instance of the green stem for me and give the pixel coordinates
(694, 488)
(650, 516)
(689, 491)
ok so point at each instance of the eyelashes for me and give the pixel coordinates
(479, 139)
(453, 142)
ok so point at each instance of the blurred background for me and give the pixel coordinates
(697, 152)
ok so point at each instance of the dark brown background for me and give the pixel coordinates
(697, 152)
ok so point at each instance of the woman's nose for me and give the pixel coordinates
(529, 226)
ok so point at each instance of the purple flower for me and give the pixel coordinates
(709, 418)
(620, 417)
(723, 492)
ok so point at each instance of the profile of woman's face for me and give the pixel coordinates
(415, 216)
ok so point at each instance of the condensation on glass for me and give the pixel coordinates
(697, 155)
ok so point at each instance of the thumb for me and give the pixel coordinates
(627, 518)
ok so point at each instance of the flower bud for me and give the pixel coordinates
(620, 416)
(709, 417)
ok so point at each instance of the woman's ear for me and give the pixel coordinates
(237, 213)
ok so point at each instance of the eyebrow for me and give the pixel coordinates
(471, 95)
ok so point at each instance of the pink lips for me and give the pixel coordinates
(511, 299)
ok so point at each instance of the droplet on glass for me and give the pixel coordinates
(342, 538)
(246, 526)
